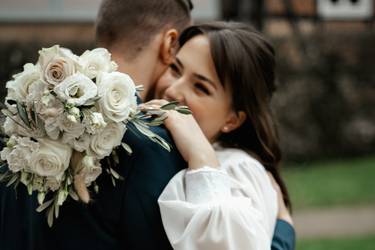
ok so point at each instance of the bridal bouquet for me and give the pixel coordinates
(64, 114)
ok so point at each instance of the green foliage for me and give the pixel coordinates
(363, 243)
(331, 183)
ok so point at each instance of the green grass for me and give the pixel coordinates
(363, 243)
(331, 183)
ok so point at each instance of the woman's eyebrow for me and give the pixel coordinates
(179, 63)
(203, 78)
(198, 76)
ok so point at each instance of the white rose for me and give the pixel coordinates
(103, 143)
(71, 129)
(57, 64)
(52, 158)
(90, 169)
(117, 92)
(82, 143)
(19, 88)
(18, 158)
(96, 61)
(77, 90)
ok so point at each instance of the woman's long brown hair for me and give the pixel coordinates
(245, 63)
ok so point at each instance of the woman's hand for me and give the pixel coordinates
(189, 138)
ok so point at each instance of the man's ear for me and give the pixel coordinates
(169, 46)
(234, 121)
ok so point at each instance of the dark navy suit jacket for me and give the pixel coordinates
(123, 217)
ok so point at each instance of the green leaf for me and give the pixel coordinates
(22, 113)
(169, 106)
(139, 88)
(152, 136)
(184, 110)
(96, 188)
(114, 173)
(57, 210)
(73, 194)
(127, 148)
(41, 196)
(50, 216)
(44, 205)
(12, 180)
(113, 181)
(30, 188)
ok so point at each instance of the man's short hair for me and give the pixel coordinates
(135, 22)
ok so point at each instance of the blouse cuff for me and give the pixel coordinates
(206, 184)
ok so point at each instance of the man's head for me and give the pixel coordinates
(147, 30)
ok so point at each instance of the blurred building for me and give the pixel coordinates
(65, 20)
(325, 57)
(277, 17)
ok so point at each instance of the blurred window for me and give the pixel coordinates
(345, 9)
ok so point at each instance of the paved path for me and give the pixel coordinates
(335, 222)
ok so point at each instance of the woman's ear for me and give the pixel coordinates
(235, 120)
(169, 46)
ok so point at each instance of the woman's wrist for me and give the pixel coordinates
(203, 157)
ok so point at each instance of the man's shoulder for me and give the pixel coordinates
(149, 155)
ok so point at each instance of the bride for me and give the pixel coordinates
(224, 72)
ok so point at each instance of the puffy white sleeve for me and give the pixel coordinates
(230, 208)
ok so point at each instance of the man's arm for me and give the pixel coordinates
(150, 167)
(284, 236)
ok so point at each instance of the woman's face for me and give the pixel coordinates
(192, 81)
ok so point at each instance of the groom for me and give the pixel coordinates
(142, 37)
(145, 57)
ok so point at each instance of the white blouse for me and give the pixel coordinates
(232, 208)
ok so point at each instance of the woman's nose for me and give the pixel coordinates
(174, 93)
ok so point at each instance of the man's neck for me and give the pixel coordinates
(141, 69)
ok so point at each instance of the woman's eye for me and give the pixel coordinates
(175, 70)
(200, 87)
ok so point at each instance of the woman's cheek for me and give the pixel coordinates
(164, 82)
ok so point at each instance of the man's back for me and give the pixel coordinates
(122, 217)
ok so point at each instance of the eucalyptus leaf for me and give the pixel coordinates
(57, 210)
(12, 180)
(169, 106)
(41, 197)
(6, 112)
(61, 197)
(115, 157)
(23, 114)
(156, 112)
(30, 189)
(184, 110)
(50, 216)
(114, 173)
(44, 205)
(127, 148)
(96, 188)
(152, 136)
(73, 194)
(139, 88)
(113, 181)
